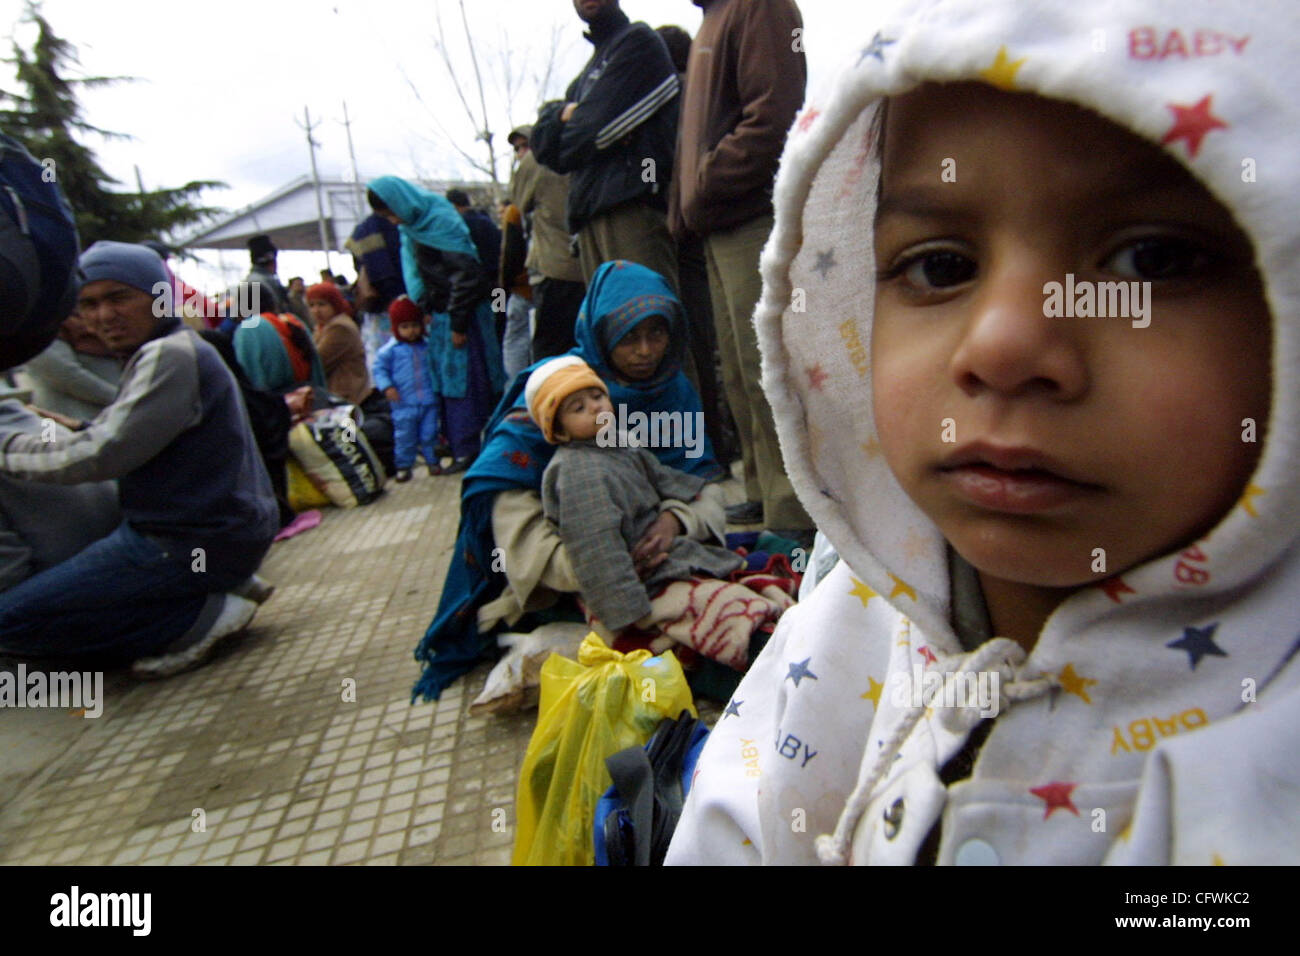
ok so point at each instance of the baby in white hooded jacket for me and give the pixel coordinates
(1029, 332)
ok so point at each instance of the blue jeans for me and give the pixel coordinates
(125, 596)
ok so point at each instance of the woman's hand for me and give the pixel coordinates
(392, 394)
(300, 403)
(458, 339)
(652, 550)
(72, 424)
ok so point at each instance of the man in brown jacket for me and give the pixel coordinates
(744, 85)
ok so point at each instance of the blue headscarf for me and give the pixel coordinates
(262, 355)
(620, 297)
(427, 220)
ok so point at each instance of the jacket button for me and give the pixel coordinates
(894, 818)
(976, 853)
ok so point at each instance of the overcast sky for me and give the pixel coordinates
(221, 86)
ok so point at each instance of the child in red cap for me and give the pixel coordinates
(403, 372)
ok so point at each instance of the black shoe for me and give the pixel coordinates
(747, 512)
(459, 464)
(403, 474)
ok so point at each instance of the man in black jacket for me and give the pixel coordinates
(262, 252)
(615, 132)
(484, 232)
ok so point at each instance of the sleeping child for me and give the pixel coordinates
(604, 497)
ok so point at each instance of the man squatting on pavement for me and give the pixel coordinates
(177, 575)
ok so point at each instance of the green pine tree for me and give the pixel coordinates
(47, 121)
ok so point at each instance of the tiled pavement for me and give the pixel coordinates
(261, 757)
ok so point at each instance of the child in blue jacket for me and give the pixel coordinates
(403, 372)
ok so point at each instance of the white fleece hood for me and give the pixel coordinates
(1133, 63)
(1106, 714)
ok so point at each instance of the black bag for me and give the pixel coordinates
(648, 782)
(378, 426)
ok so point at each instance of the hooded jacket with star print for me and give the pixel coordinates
(1155, 720)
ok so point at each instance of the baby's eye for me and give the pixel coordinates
(934, 269)
(1157, 258)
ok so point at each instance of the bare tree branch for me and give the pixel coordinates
(512, 78)
(441, 45)
(476, 163)
(509, 75)
(544, 85)
(486, 130)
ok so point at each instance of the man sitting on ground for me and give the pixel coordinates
(177, 575)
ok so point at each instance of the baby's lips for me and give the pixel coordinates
(1010, 458)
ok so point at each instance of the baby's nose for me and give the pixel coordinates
(1010, 344)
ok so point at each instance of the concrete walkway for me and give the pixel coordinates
(257, 757)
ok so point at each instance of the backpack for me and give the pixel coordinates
(38, 255)
(636, 818)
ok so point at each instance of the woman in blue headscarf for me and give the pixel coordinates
(445, 279)
(509, 560)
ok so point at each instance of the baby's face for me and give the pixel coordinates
(578, 418)
(1030, 439)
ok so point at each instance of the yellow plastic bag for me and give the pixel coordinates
(590, 709)
(303, 495)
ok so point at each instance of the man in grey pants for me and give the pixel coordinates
(744, 85)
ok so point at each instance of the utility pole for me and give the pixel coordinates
(356, 176)
(315, 178)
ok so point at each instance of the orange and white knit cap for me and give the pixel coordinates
(551, 383)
